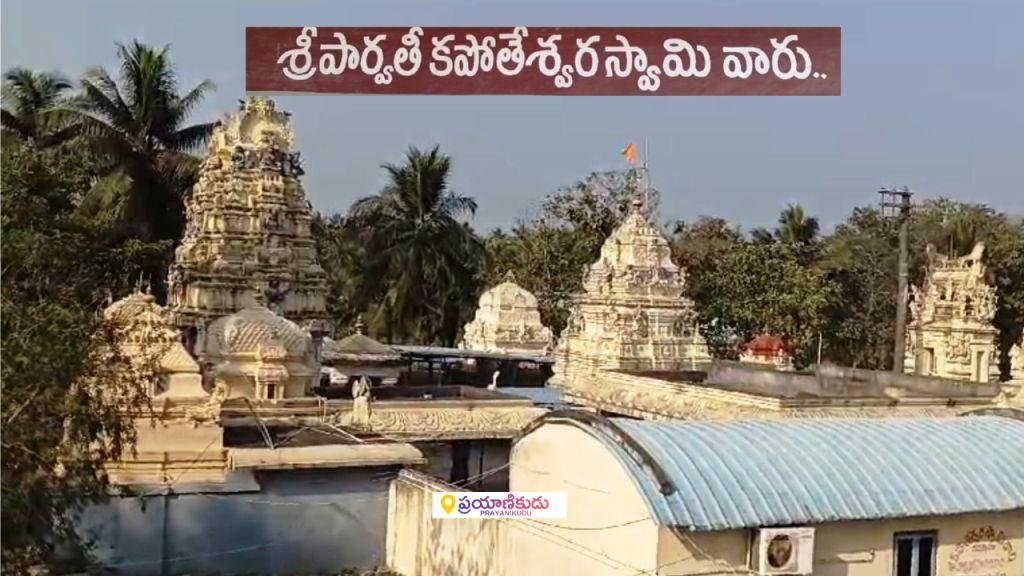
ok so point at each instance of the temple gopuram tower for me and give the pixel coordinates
(951, 334)
(507, 320)
(632, 314)
(248, 228)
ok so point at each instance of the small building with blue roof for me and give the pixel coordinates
(829, 497)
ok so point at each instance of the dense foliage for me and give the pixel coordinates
(136, 124)
(68, 395)
(550, 253)
(419, 262)
(64, 392)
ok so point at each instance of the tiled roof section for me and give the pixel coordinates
(358, 347)
(706, 476)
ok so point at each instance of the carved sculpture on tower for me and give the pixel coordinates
(632, 314)
(248, 227)
(507, 320)
(951, 333)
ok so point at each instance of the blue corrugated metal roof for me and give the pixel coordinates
(740, 474)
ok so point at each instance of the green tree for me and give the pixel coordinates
(547, 260)
(859, 258)
(68, 399)
(342, 256)
(30, 102)
(697, 246)
(423, 260)
(795, 227)
(138, 125)
(549, 253)
(755, 288)
(594, 206)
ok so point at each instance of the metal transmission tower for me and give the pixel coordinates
(895, 205)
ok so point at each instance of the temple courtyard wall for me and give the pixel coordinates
(280, 522)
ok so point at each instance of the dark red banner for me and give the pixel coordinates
(545, 61)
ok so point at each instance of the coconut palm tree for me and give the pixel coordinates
(29, 110)
(137, 122)
(795, 227)
(423, 258)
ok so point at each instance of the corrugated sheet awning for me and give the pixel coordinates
(706, 476)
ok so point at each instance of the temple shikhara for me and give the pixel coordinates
(247, 227)
(272, 445)
(951, 333)
(632, 314)
(507, 320)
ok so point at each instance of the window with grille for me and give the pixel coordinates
(914, 554)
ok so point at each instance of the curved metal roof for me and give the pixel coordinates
(706, 476)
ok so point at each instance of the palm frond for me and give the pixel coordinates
(191, 138)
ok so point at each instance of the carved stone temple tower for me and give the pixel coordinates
(507, 320)
(632, 314)
(951, 334)
(247, 234)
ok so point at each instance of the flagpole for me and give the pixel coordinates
(647, 179)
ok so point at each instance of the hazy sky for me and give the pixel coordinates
(932, 95)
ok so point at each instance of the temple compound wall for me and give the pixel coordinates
(280, 522)
(951, 334)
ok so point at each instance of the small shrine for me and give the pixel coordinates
(248, 227)
(145, 331)
(357, 356)
(177, 437)
(508, 321)
(951, 333)
(768, 349)
(254, 353)
(632, 315)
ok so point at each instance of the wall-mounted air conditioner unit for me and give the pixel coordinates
(784, 551)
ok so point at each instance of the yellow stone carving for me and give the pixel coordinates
(951, 333)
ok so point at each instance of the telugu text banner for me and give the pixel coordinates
(794, 61)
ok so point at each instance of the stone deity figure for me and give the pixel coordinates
(361, 403)
(1017, 364)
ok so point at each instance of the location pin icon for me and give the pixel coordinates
(448, 503)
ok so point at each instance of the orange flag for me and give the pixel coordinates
(630, 153)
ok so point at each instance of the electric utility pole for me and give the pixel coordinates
(895, 204)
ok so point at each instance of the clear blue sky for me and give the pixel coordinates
(932, 95)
